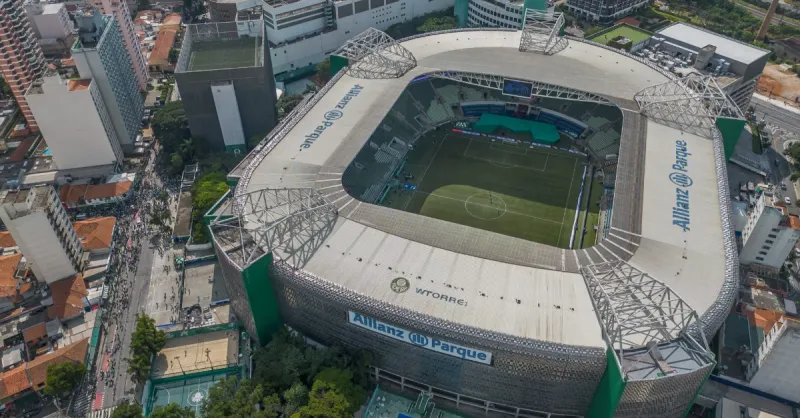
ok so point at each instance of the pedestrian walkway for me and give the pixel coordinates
(102, 413)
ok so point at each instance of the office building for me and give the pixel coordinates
(774, 367)
(21, 61)
(121, 12)
(496, 13)
(303, 33)
(100, 55)
(74, 121)
(41, 229)
(225, 80)
(605, 11)
(737, 66)
(770, 233)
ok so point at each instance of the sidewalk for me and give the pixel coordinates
(776, 102)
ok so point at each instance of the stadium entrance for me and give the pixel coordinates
(481, 158)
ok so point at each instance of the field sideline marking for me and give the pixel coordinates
(499, 164)
(430, 163)
(571, 182)
(492, 207)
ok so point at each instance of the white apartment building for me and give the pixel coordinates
(41, 229)
(74, 121)
(302, 33)
(119, 9)
(770, 233)
(49, 20)
(775, 365)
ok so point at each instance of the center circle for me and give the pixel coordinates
(196, 397)
(485, 206)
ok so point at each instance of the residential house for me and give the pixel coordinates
(15, 283)
(32, 376)
(68, 298)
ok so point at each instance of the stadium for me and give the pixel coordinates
(515, 222)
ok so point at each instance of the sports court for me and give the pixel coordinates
(202, 351)
(629, 32)
(519, 190)
(186, 392)
(225, 53)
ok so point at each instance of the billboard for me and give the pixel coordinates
(517, 88)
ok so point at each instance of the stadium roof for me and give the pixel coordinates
(508, 285)
(727, 47)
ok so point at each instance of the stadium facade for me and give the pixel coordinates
(490, 324)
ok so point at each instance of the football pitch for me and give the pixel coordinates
(517, 190)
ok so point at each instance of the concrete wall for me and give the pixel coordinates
(778, 372)
(766, 242)
(72, 126)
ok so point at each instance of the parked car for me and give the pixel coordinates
(787, 200)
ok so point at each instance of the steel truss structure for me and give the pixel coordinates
(691, 104)
(374, 54)
(639, 313)
(539, 88)
(294, 222)
(540, 32)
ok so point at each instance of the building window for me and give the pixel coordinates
(760, 258)
(762, 252)
(773, 236)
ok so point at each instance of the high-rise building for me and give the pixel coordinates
(496, 13)
(43, 232)
(774, 366)
(21, 58)
(75, 122)
(605, 11)
(770, 233)
(100, 55)
(53, 28)
(121, 13)
(227, 101)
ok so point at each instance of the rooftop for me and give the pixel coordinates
(78, 85)
(33, 375)
(96, 233)
(12, 285)
(164, 42)
(68, 297)
(727, 47)
(108, 190)
(216, 46)
(6, 240)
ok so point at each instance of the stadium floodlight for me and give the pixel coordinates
(374, 54)
(540, 32)
(692, 104)
(635, 310)
(293, 221)
(539, 89)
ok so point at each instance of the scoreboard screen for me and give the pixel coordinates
(517, 88)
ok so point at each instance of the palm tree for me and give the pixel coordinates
(186, 149)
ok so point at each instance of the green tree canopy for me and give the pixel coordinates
(146, 341)
(175, 164)
(794, 152)
(437, 23)
(324, 70)
(295, 398)
(342, 381)
(287, 103)
(127, 410)
(63, 377)
(171, 410)
(170, 126)
(242, 399)
(206, 191)
(325, 401)
(172, 58)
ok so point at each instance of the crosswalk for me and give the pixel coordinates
(102, 413)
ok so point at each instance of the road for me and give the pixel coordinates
(760, 13)
(784, 124)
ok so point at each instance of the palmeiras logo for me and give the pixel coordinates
(400, 285)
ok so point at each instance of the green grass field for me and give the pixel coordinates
(218, 54)
(629, 32)
(524, 192)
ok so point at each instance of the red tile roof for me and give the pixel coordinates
(103, 191)
(172, 19)
(68, 297)
(96, 233)
(164, 42)
(71, 195)
(35, 332)
(10, 286)
(6, 240)
(33, 375)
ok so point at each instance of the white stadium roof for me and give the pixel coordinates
(547, 301)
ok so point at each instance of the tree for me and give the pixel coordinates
(295, 397)
(170, 126)
(794, 152)
(324, 401)
(324, 70)
(146, 341)
(591, 31)
(206, 191)
(171, 410)
(175, 164)
(256, 139)
(127, 410)
(795, 176)
(63, 377)
(172, 58)
(437, 23)
(186, 149)
(242, 399)
(342, 381)
(287, 103)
